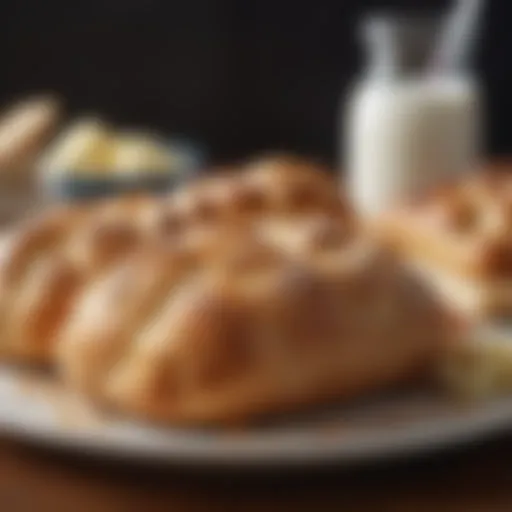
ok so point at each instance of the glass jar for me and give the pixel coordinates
(407, 129)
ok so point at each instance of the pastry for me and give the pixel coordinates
(232, 298)
(25, 129)
(458, 236)
(47, 260)
(278, 186)
(255, 330)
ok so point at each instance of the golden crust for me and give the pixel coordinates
(37, 309)
(110, 311)
(261, 334)
(463, 227)
(235, 296)
(458, 236)
(48, 259)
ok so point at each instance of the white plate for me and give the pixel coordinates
(36, 408)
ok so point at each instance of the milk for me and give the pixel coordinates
(407, 131)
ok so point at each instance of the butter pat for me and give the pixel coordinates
(140, 153)
(481, 367)
(86, 147)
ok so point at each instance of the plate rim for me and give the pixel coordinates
(127, 440)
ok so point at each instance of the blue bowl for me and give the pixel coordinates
(71, 186)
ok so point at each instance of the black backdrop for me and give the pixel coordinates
(240, 75)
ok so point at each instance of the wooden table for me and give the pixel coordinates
(475, 479)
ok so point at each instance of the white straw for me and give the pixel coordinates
(458, 34)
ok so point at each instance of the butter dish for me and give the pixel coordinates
(90, 160)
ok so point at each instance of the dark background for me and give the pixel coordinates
(242, 76)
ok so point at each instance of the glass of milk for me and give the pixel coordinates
(407, 129)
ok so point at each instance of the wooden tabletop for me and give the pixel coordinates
(474, 479)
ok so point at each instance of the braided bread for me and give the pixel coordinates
(49, 259)
(233, 297)
(253, 332)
